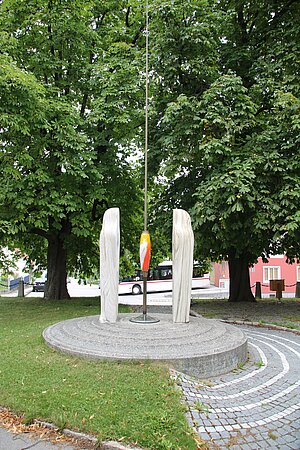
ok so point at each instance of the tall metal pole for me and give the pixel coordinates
(145, 238)
(145, 273)
(146, 121)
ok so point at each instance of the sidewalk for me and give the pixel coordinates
(41, 436)
(10, 441)
(14, 292)
(256, 406)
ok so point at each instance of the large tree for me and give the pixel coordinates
(70, 87)
(231, 141)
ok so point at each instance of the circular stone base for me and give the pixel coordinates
(202, 347)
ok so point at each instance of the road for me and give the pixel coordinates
(158, 298)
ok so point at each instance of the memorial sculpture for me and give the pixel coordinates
(217, 348)
(182, 251)
(109, 265)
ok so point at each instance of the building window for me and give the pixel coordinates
(298, 273)
(271, 273)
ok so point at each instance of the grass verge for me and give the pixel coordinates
(285, 313)
(134, 402)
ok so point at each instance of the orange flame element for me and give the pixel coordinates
(145, 251)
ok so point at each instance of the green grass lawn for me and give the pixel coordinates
(132, 401)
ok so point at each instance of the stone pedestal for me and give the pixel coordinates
(216, 347)
(183, 248)
(109, 265)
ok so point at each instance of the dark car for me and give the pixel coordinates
(38, 285)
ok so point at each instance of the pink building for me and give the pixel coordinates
(220, 275)
(275, 269)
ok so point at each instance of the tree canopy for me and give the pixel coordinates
(224, 127)
(229, 144)
(70, 86)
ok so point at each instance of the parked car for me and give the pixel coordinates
(38, 285)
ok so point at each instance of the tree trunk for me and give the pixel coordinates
(56, 285)
(239, 290)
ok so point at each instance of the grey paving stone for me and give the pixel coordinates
(280, 442)
(205, 436)
(215, 436)
(190, 421)
(253, 446)
(225, 434)
(288, 438)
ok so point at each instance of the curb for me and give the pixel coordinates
(84, 438)
(70, 433)
(270, 326)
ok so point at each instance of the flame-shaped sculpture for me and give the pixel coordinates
(145, 251)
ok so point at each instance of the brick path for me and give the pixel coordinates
(255, 407)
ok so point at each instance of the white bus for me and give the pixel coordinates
(160, 279)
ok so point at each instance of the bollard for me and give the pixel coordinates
(21, 289)
(297, 289)
(258, 289)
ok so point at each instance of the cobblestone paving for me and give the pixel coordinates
(258, 405)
